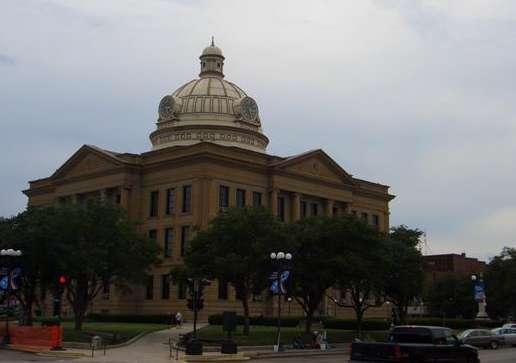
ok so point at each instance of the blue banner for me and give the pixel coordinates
(281, 289)
(480, 293)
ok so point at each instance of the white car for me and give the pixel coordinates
(509, 325)
(509, 334)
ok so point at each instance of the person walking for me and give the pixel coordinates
(179, 319)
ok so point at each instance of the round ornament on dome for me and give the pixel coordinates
(248, 109)
(167, 108)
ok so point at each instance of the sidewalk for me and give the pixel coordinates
(151, 348)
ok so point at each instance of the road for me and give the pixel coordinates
(507, 355)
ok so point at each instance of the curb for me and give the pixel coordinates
(313, 353)
(216, 358)
(86, 346)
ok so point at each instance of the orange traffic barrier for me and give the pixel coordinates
(44, 336)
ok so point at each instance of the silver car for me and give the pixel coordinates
(481, 338)
(509, 334)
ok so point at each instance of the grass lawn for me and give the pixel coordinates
(112, 333)
(266, 335)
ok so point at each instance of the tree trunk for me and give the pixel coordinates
(80, 302)
(360, 317)
(245, 304)
(28, 309)
(309, 320)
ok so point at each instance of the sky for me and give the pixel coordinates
(415, 94)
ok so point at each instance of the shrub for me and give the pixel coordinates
(129, 318)
(455, 323)
(351, 324)
(216, 319)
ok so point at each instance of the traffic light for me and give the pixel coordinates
(62, 280)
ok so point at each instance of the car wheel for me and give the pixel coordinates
(494, 345)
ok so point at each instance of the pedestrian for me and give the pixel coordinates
(179, 319)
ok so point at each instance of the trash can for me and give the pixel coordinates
(194, 347)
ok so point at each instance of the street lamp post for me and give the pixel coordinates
(281, 261)
(8, 255)
(480, 296)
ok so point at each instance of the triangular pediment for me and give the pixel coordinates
(314, 163)
(87, 160)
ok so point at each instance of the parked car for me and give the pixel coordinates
(415, 344)
(509, 325)
(481, 338)
(508, 334)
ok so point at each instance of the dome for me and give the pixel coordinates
(212, 50)
(209, 109)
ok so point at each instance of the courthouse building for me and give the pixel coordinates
(208, 153)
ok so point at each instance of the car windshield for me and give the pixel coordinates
(411, 335)
(464, 334)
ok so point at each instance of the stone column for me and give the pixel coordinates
(296, 206)
(124, 197)
(328, 207)
(273, 195)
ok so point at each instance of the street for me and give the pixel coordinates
(506, 355)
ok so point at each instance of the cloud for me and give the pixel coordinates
(417, 94)
(6, 60)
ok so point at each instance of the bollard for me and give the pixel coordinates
(96, 343)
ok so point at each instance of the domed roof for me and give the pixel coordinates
(209, 108)
(209, 94)
(212, 49)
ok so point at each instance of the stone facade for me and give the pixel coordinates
(177, 187)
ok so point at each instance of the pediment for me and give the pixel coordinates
(315, 164)
(87, 160)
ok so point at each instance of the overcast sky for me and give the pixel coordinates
(416, 94)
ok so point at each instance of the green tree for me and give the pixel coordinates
(235, 248)
(316, 244)
(500, 281)
(451, 296)
(32, 232)
(99, 245)
(403, 281)
(362, 266)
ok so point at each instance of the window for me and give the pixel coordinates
(354, 212)
(223, 197)
(240, 198)
(335, 211)
(181, 290)
(171, 201)
(154, 200)
(257, 199)
(149, 287)
(303, 209)
(281, 209)
(168, 243)
(315, 209)
(187, 199)
(153, 235)
(365, 217)
(165, 287)
(185, 238)
(223, 289)
(376, 221)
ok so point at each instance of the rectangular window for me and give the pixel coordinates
(153, 235)
(223, 289)
(257, 199)
(181, 290)
(315, 209)
(365, 217)
(187, 199)
(165, 287)
(149, 287)
(281, 209)
(303, 209)
(168, 242)
(223, 197)
(376, 221)
(240, 198)
(154, 200)
(171, 201)
(185, 238)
